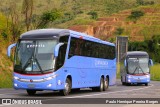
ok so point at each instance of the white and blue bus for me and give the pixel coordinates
(135, 68)
(64, 60)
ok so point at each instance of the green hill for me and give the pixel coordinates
(144, 28)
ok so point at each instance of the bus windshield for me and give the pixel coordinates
(138, 65)
(34, 56)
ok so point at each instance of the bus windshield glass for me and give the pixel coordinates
(138, 65)
(34, 56)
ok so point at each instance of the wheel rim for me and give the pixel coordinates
(106, 84)
(101, 86)
(67, 87)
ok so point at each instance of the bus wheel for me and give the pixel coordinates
(123, 83)
(105, 84)
(31, 92)
(67, 88)
(100, 88)
(128, 84)
(146, 84)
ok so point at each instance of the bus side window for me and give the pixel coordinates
(77, 48)
(72, 48)
(61, 56)
(64, 39)
(62, 52)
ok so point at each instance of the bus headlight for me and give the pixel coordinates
(15, 85)
(49, 85)
(147, 76)
(51, 77)
(129, 76)
(129, 80)
(16, 78)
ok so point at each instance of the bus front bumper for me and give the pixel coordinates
(138, 79)
(46, 82)
(49, 85)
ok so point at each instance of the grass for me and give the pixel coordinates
(5, 71)
(155, 72)
(6, 80)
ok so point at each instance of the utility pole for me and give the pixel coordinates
(121, 47)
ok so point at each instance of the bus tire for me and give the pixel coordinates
(128, 84)
(67, 88)
(105, 84)
(123, 83)
(146, 84)
(99, 88)
(31, 92)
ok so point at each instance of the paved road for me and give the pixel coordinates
(117, 91)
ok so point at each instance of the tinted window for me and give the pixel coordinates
(87, 48)
(62, 52)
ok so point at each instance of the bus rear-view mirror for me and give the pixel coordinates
(56, 50)
(150, 62)
(9, 49)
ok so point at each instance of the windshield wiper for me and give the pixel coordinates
(27, 63)
(135, 70)
(37, 59)
(141, 69)
(138, 70)
(31, 59)
(39, 65)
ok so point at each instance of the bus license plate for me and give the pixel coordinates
(31, 85)
(139, 80)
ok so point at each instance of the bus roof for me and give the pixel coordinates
(137, 53)
(44, 33)
(51, 33)
(91, 38)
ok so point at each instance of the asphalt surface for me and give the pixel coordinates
(117, 91)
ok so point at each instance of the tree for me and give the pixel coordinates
(140, 2)
(93, 14)
(27, 10)
(151, 46)
(15, 23)
(154, 47)
(119, 31)
(49, 16)
(135, 15)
